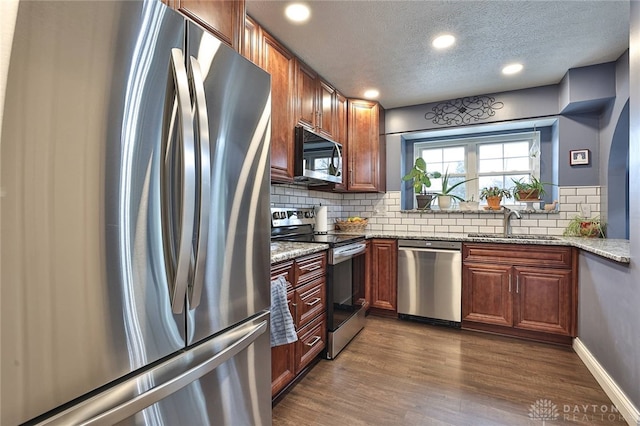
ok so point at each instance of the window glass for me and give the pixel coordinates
(494, 160)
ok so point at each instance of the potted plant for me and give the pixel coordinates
(528, 191)
(421, 180)
(469, 204)
(584, 227)
(493, 195)
(446, 193)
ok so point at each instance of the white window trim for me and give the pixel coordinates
(471, 144)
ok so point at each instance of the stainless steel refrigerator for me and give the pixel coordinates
(134, 212)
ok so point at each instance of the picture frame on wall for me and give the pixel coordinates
(579, 157)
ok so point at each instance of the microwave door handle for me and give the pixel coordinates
(178, 276)
(202, 226)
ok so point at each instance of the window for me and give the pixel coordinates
(488, 160)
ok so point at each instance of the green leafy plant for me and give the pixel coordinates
(420, 176)
(584, 227)
(494, 191)
(528, 190)
(447, 190)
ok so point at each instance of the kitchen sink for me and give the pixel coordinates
(514, 236)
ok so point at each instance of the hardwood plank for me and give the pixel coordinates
(406, 373)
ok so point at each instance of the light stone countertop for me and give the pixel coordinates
(613, 249)
(285, 250)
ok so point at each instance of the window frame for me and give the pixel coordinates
(471, 146)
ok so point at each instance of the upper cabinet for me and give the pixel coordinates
(315, 101)
(225, 19)
(366, 150)
(280, 63)
(251, 41)
(299, 96)
(341, 137)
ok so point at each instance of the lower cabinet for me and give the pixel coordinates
(306, 294)
(524, 291)
(382, 264)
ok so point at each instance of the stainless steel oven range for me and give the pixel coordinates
(346, 304)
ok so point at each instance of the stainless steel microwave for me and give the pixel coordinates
(318, 160)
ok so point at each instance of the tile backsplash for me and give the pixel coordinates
(384, 213)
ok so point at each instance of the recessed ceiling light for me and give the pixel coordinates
(443, 41)
(371, 94)
(297, 12)
(512, 69)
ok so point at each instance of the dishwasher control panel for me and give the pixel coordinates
(434, 244)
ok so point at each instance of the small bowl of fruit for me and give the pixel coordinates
(352, 224)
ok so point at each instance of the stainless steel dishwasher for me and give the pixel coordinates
(430, 280)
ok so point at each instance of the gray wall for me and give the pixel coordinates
(609, 299)
(585, 92)
(578, 132)
(614, 155)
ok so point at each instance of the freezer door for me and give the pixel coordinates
(85, 295)
(222, 381)
(232, 235)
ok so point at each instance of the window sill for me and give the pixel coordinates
(436, 210)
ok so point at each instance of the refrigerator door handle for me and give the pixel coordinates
(204, 202)
(178, 261)
(126, 399)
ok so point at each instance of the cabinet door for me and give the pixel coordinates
(486, 294)
(364, 147)
(310, 301)
(340, 136)
(311, 341)
(283, 357)
(279, 62)
(283, 361)
(225, 19)
(251, 41)
(326, 123)
(543, 300)
(306, 89)
(384, 276)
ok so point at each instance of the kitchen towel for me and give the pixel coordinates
(282, 329)
(321, 220)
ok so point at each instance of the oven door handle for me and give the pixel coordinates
(341, 255)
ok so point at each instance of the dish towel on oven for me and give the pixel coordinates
(282, 329)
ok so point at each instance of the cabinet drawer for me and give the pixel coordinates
(516, 254)
(310, 300)
(283, 269)
(310, 267)
(311, 341)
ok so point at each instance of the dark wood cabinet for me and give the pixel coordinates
(315, 102)
(382, 265)
(224, 19)
(251, 41)
(366, 147)
(300, 96)
(525, 291)
(543, 300)
(280, 63)
(306, 294)
(283, 357)
(486, 295)
(341, 137)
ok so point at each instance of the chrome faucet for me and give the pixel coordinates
(506, 219)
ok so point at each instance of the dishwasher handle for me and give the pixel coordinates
(430, 244)
(428, 250)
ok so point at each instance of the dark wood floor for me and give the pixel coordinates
(405, 373)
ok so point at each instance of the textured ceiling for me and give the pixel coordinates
(360, 44)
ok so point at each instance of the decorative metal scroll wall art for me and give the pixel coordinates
(464, 110)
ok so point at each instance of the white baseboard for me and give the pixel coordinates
(610, 387)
